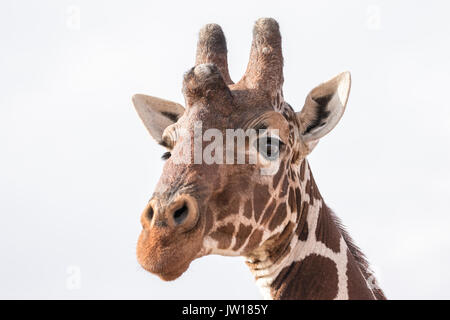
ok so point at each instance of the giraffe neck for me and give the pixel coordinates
(314, 257)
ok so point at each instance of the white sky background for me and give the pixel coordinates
(77, 166)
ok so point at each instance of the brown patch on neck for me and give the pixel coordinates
(312, 190)
(275, 248)
(302, 230)
(356, 284)
(359, 258)
(278, 245)
(260, 196)
(241, 236)
(278, 175)
(254, 241)
(326, 230)
(248, 209)
(318, 280)
(278, 217)
(302, 208)
(284, 187)
(302, 170)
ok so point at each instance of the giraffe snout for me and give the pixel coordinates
(178, 214)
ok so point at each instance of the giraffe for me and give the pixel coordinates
(293, 244)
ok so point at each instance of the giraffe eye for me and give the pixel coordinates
(269, 147)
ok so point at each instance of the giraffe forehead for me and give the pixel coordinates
(242, 106)
(243, 117)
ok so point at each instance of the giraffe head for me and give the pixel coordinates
(204, 203)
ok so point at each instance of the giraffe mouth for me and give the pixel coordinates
(167, 253)
(167, 263)
(167, 272)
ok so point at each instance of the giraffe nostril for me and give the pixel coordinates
(181, 214)
(150, 213)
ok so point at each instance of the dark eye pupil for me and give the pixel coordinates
(269, 147)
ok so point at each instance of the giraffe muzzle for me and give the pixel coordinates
(171, 236)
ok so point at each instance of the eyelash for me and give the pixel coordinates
(166, 155)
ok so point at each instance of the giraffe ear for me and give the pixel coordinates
(324, 107)
(157, 114)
